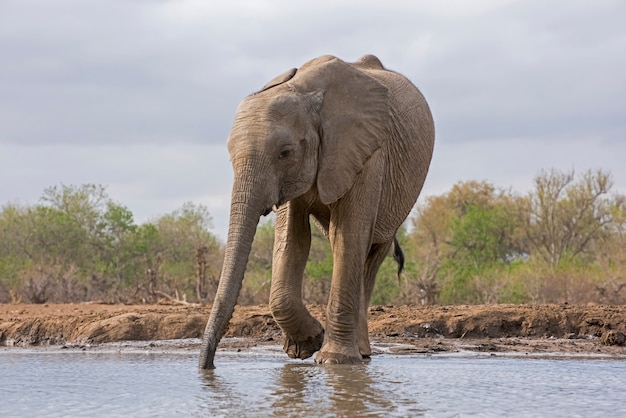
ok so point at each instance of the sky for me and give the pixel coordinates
(139, 96)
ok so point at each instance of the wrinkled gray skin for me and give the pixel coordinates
(347, 145)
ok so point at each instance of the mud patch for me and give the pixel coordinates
(417, 329)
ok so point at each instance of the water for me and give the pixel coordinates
(144, 382)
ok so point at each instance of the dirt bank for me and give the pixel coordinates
(492, 328)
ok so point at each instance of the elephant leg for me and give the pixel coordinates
(303, 334)
(350, 233)
(377, 255)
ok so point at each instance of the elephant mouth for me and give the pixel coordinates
(274, 208)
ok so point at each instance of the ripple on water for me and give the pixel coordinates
(263, 382)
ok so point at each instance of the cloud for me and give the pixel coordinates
(150, 181)
(514, 163)
(140, 95)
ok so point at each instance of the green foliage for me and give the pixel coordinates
(318, 272)
(481, 248)
(78, 244)
(387, 288)
(563, 241)
(480, 237)
(258, 274)
(490, 245)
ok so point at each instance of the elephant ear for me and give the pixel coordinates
(283, 78)
(355, 119)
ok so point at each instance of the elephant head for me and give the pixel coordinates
(307, 131)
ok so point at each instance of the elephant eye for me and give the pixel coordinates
(286, 153)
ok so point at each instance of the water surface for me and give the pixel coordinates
(264, 382)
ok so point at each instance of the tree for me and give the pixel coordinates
(563, 241)
(611, 256)
(78, 244)
(48, 251)
(460, 238)
(258, 276)
(564, 217)
(116, 235)
(318, 272)
(175, 245)
(15, 249)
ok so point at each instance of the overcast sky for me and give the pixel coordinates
(139, 96)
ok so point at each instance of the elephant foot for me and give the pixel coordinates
(303, 347)
(337, 358)
(337, 355)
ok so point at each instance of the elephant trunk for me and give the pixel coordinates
(245, 212)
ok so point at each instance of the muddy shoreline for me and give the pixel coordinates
(524, 329)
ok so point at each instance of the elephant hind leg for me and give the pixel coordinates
(376, 256)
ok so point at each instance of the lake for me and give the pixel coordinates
(162, 379)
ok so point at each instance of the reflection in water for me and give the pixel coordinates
(305, 389)
(262, 383)
(223, 397)
(350, 389)
(334, 389)
(297, 388)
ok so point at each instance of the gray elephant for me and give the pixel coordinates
(347, 145)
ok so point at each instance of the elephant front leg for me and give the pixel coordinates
(341, 344)
(350, 240)
(303, 334)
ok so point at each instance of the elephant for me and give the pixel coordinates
(346, 146)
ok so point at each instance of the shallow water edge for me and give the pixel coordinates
(161, 378)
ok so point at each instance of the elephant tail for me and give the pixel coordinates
(398, 256)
